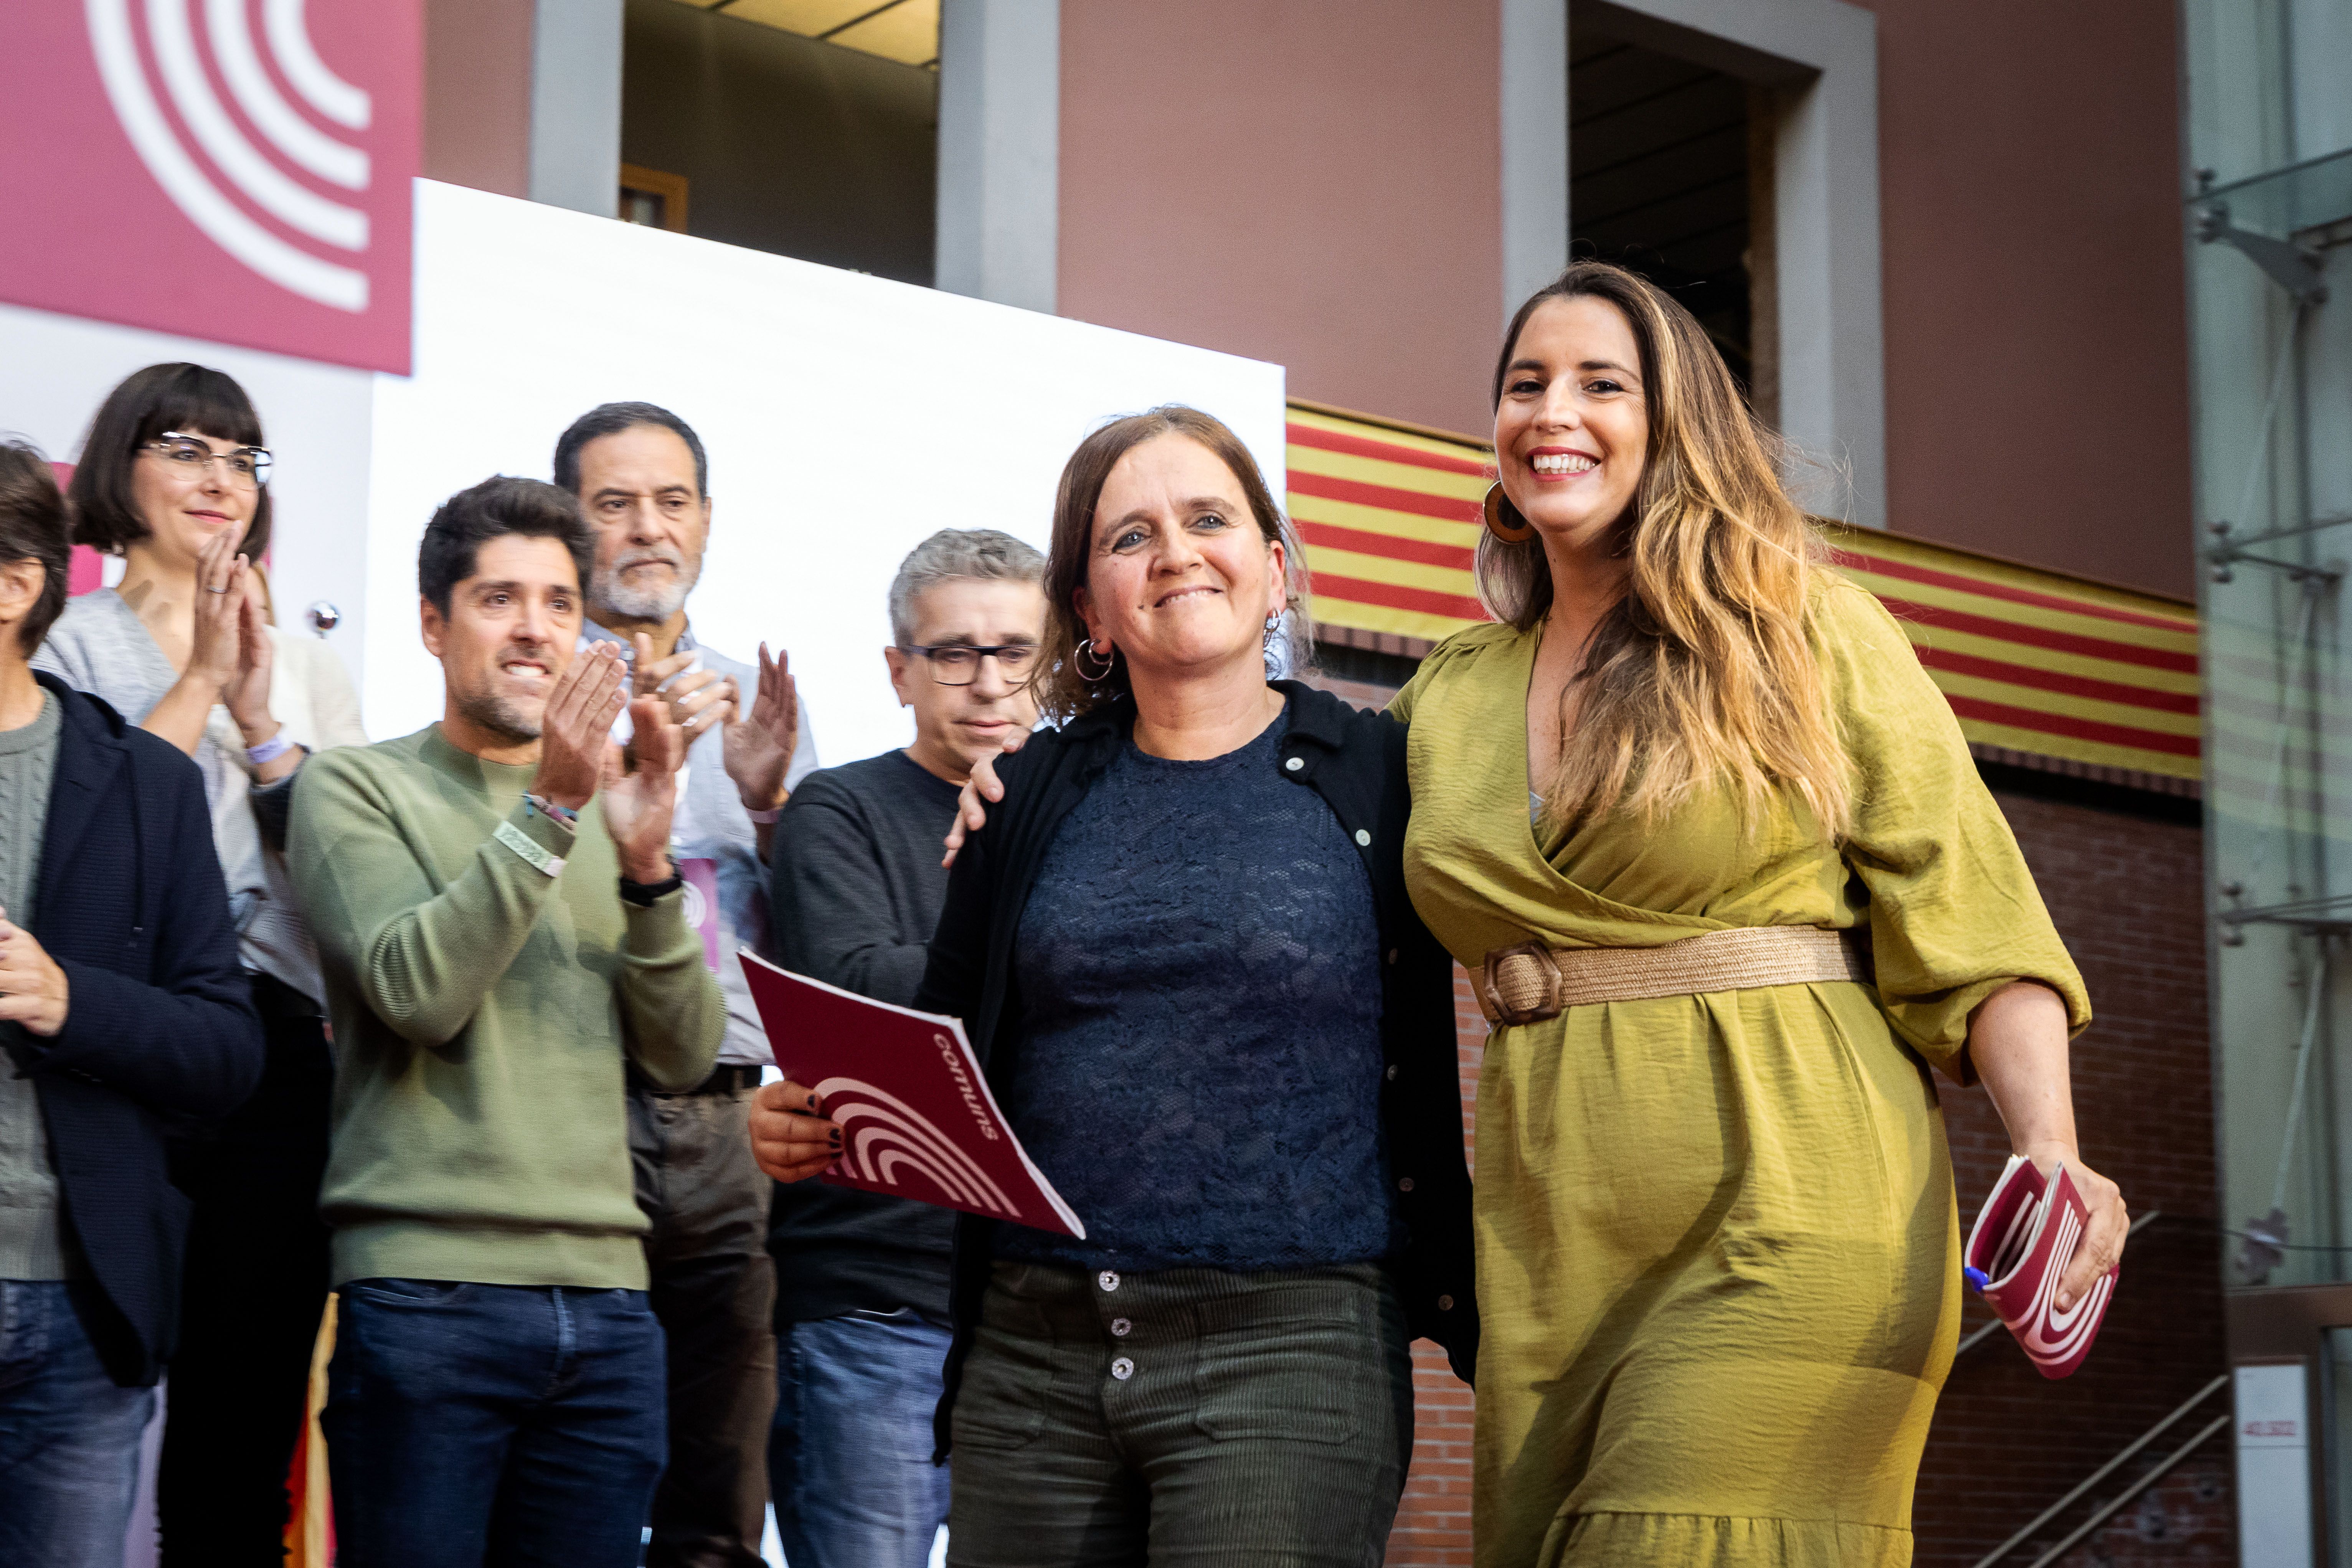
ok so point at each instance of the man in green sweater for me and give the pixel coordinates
(495, 949)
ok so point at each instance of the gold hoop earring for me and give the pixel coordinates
(1079, 655)
(1498, 506)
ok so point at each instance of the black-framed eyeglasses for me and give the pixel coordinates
(189, 455)
(958, 663)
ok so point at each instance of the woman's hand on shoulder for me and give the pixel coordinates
(791, 1139)
(972, 816)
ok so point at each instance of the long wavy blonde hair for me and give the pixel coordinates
(1702, 675)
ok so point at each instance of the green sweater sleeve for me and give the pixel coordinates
(675, 1012)
(421, 960)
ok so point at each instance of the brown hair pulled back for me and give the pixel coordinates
(1064, 691)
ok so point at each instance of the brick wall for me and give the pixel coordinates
(2126, 891)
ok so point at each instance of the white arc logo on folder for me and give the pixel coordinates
(261, 180)
(880, 1132)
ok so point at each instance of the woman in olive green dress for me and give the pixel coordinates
(1718, 1261)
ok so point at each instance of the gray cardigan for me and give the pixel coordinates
(100, 646)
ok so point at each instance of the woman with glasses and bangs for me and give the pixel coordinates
(174, 479)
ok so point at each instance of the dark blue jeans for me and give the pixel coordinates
(849, 1456)
(68, 1437)
(492, 1423)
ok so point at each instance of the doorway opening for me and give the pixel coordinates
(1670, 174)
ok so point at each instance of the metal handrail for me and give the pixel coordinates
(2104, 1471)
(1984, 1331)
(2107, 1511)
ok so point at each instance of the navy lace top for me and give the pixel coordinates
(1200, 1066)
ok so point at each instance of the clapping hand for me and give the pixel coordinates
(641, 796)
(759, 745)
(576, 728)
(215, 638)
(696, 699)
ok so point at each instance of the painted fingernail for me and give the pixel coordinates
(811, 1102)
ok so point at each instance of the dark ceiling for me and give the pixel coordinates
(1658, 177)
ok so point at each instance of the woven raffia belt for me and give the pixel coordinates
(1530, 982)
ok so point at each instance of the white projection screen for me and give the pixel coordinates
(848, 417)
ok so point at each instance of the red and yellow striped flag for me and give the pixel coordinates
(2030, 660)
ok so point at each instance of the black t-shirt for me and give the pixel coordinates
(856, 886)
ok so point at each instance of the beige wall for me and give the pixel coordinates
(1313, 182)
(2037, 371)
(478, 94)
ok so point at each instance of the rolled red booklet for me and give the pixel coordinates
(2025, 1236)
(917, 1116)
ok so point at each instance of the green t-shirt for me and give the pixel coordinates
(486, 980)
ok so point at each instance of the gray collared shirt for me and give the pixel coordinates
(711, 824)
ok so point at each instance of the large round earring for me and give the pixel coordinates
(1499, 511)
(1080, 654)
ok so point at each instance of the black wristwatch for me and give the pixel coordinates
(642, 894)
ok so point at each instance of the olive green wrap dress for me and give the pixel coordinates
(1718, 1271)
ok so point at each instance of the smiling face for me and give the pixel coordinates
(652, 520)
(511, 631)
(183, 506)
(1573, 428)
(1179, 578)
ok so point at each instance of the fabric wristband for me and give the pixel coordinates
(523, 844)
(764, 817)
(549, 810)
(269, 751)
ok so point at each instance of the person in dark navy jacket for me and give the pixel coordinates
(1184, 953)
(123, 1015)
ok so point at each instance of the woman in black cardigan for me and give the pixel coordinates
(1184, 954)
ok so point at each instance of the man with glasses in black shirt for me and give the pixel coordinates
(862, 1298)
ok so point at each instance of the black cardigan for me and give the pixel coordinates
(1355, 761)
(160, 1029)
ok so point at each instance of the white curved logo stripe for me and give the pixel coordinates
(232, 41)
(869, 1103)
(174, 43)
(322, 89)
(920, 1134)
(117, 53)
(885, 1168)
(872, 1103)
(2051, 1335)
(878, 1152)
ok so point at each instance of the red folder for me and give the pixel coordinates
(2025, 1238)
(917, 1119)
